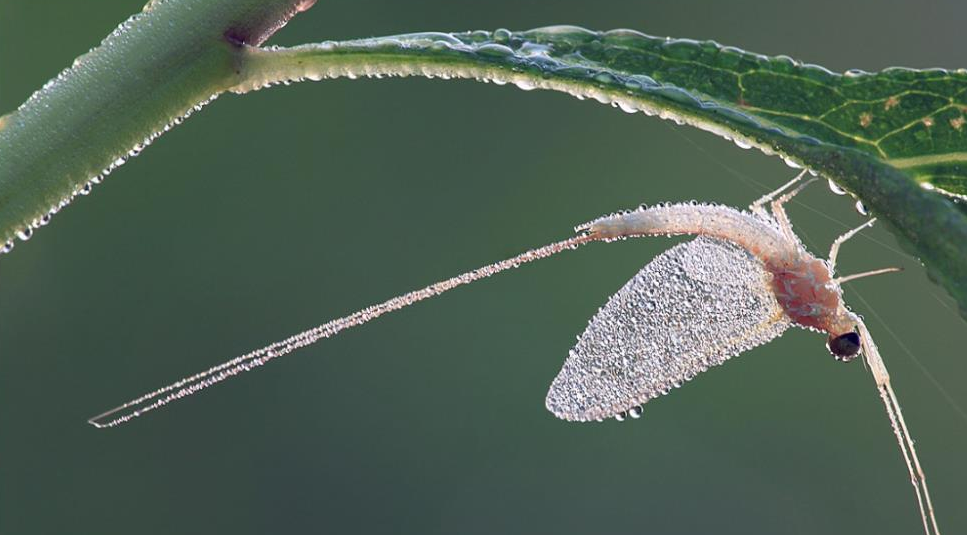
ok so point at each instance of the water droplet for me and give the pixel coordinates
(791, 163)
(626, 107)
(494, 50)
(621, 416)
(834, 187)
(742, 144)
(25, 234)
(85, 189)
(604, 78)
(635, 412)
(7, 247)
(526, 85)
(861, 208)
(502, 35)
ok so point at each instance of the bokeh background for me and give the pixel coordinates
(273, 212)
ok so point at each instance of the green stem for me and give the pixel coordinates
(153, 70)
(934, 230)
(160, 65)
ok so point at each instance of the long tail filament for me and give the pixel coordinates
(194, 383)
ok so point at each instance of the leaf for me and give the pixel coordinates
(896, 139)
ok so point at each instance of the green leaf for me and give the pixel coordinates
(896, 139)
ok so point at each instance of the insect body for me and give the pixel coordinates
(741, 283)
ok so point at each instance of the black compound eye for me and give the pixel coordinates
(844, 347)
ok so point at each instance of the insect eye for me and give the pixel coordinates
(844, 347)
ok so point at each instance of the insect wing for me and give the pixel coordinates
(692, 307)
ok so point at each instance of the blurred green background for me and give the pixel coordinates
(273, 212)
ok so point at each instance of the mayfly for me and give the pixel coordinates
(743, 281)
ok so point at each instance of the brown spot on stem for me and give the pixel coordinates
(891, 103)
(304, 5)
(928, 121)
(958, 122)
(865, 119)
(258, 25)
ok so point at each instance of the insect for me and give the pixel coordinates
(743, 281)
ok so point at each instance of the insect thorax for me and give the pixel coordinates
(805, 290)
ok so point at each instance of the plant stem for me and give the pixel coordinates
(154, 69)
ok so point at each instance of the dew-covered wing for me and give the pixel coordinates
(692, 307)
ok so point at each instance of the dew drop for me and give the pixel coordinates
(526, 85)
(604, 78)
(626, 107)
(742, 144)
(621, 416)
(25, 234)
(7, 247)
(861, 208)
(791, 163)
(494, 50)
(635, 412)
(834, 187)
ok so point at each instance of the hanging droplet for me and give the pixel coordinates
(621, 416)
(789, 162)
(742, 144)
(635, 412)
(25, 234)
(7, 247)
(834, 187)
(861, 208)
(626, 107)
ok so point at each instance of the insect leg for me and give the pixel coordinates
(779, 213)
(834, 250)
(757, 207)
(904, 440)
(847, 278)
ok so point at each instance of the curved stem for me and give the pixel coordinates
(924, 218)
(153, 70)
